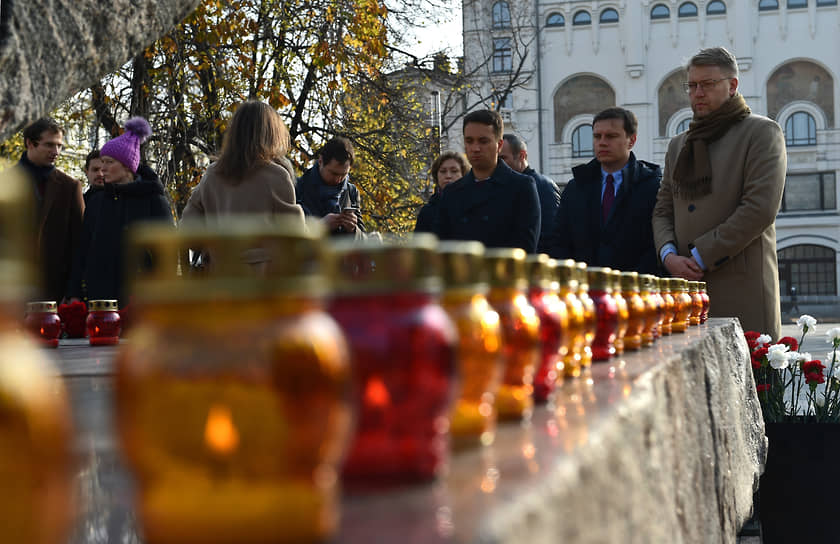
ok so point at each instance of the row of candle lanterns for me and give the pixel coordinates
(102, 322)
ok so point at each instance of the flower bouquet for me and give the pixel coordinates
(800, 401)
(791, 384)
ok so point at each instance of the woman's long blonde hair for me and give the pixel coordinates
(256, 136)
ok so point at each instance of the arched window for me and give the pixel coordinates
(792, 4)
(716, 8)
(609, 15)
(768, 5)
(555, 19)
(502, 55)
(501, 15)
(582, 18)
(660, 11)
(812, 269)
(582, 141)
(683, 125)
(687, 9)
(800, 129)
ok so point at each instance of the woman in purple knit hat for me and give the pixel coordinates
(132, 193)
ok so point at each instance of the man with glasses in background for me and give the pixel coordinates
(59, 206)
(715, 213)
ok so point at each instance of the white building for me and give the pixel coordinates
(581, 56)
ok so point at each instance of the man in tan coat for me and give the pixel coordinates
(716, 208)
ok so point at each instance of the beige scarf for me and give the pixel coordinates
(693, 171)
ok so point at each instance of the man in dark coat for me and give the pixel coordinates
(325, 190)
(606, 209)
(59, 206)
(515, 154)
(492, 203)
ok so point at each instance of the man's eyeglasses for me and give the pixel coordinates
(705, 85)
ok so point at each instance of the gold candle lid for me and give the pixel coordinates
(599, 278)
(103, 306)
(615, 276)
(17, 236)
(583, 279)
(540, 270)
(42, 306)
(564, 271)
(645, 282)
(505, 267)
(702, 286)
(462, 265)
(249, 257)
(655, 284)
(693, 287)
(678, 285)
(630, 281)
(410, 264)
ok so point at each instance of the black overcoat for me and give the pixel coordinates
(625, 241)
(502, 211)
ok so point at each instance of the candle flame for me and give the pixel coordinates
(220, 433)
(376, 394)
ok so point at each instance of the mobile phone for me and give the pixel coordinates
(349, 209)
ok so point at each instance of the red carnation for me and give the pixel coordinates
(751, 337)
(762, 387)
(790, 342)
(814, 378)
(813, 366)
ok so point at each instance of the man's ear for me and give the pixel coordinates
(632, 141)
(733, 86)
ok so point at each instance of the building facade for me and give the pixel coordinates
(581, 56)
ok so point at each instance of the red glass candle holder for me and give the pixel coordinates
(402, 347)
(606, 312)
(103, 323)
(43, 321)
(554, 325)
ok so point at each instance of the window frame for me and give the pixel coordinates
(823, 178)
(826, 3)
(498, 18)
(577, 151)
(813, 287)
(791, 139)
(501, 53)
(686, 122)
(561, 24)
(601, 20)
(582, 23)
(713, 3)
(682, 15)
(655, 17)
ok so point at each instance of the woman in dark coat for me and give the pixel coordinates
(450, 166)
(131, 193)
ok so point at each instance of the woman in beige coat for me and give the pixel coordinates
(252, 175)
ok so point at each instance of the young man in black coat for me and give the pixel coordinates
(492, 203)
(606, 209)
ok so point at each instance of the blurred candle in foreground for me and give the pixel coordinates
(520, 331)
(36, 459)
(403, 344)
(479, 343)
(232, 393)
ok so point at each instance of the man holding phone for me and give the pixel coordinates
(325, 190)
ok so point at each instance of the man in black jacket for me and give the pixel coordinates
(492, 203)
(325, 190)
(515, 154)
(606, 209)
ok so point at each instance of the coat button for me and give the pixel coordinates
(485, 218)
(691, 207)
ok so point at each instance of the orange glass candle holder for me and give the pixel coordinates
(705, 296)
(682, 303)
(554, 324)
(637, 311)
(232, 396)
(403, 348)
(606, 312)
(623, 311)
(590, 317)
(567, 284)
(43, 322)
(696, 303)
(473, 416)
(652, 310)
(667, 305)
(520, 331)
(103, 323)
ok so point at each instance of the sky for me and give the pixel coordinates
(445, 34)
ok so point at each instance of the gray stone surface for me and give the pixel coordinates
(50, 49)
